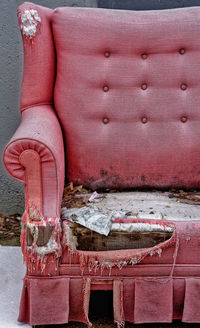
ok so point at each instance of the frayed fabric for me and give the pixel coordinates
(38, 257)
(86, 299)
(63, 299)
(93, 260)
(30, 22)
(118, 303)
(45, 301)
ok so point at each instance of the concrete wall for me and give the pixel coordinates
(146, 4)
(11, 63)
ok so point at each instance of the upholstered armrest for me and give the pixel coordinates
(35, 156)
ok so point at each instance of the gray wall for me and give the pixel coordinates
(11, 65)
(146, 4)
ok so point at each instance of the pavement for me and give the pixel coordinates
(12, 271)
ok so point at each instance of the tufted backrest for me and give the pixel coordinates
(127, 94)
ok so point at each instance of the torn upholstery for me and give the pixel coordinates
(137, 300)
(112, 87)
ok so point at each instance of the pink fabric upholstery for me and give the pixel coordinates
(155, 290)
(39, 60)
(98, 261)
(137, 300)
(126, 152)
(153, 300)
(127, 96)
(118, 309)
(187, 234)
(192, 300)
(46, 296)
(39, 130)
(53, 300)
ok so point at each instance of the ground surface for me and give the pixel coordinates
(106, 323)
(12, 271)
(10, 227)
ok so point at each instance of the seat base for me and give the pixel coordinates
(137, 298)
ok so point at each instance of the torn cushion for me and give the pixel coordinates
(108, 259)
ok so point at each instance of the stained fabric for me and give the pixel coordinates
(122, 115)
(188, 244)
(127, 100)
(191, 311)
(40, 131)
(153, 300)
(118, 307)
(45, 301)
(39, 59)
(178, 297)
(54, 300)
(94, 260)
(41, 260)
(158, 297)
(129, 299)
(137, 300)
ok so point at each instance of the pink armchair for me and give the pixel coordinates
(122, 90)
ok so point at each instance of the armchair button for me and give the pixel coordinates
(105, 120)
(183, 119)
(105, 88)
(144, 120)
(107, 54)
(144, 86)
(144, 56)
(183, 86)
(181, 51)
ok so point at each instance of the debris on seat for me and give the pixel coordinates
(186, 197)
(96, 251)
(130, 226)
(93, 218)
(121, 236)
(73, 196)
(95, 197)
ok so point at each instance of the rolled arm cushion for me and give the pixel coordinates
(40, 131)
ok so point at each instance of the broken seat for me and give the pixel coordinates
(110, 103)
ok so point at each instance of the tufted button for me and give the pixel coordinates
(144, 86)
(144, 120)
(107, 54)
(105, 120)
(183, 119)
(105, 88)
(183, 86)
(144, 56)
(181, 51)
